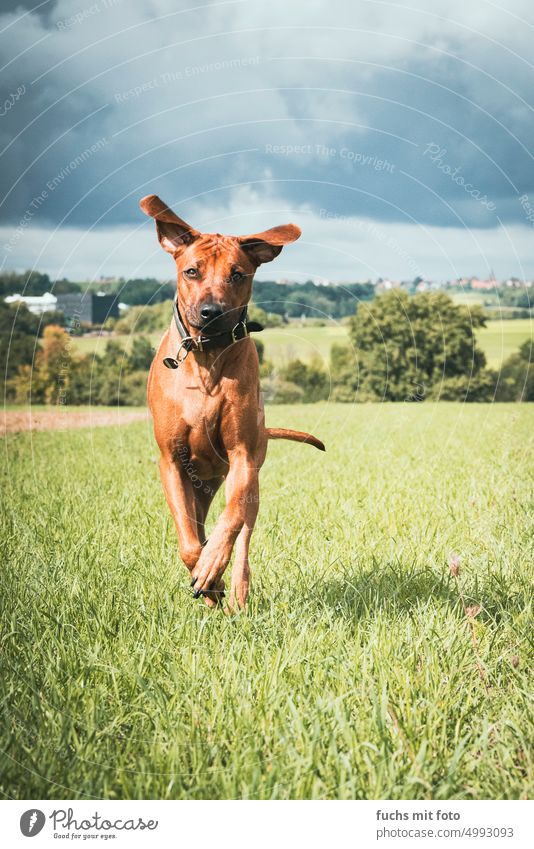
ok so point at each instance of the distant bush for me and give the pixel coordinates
(141, 354)
(344, 373)
(465, 387)
(310, 377)
(260, 348)
(145, 319)
(267, 319)
(295, 382)
(515, 381)
(279, 391)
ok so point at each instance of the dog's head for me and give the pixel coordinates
(214, 272)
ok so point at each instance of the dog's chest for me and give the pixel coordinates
(198, 440)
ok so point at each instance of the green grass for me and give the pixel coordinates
(281, 343)
(97, 344)
(472, 297)
(498, 340)
(287, 343)
(352, 674)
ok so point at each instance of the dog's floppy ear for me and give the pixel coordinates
(173, 233)
(263, 247)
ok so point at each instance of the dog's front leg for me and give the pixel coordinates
(181, 500)
(241, 568)
(241, 490)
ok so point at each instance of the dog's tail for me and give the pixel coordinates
(295, 435)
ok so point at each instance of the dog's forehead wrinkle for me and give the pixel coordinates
(213, 246)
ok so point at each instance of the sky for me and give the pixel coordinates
(397, 135)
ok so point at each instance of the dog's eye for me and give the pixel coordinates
(192, 273)
(236, 276)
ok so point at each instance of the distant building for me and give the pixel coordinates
(88, 308)
(483, 285)
(37, 304)
(386, 285)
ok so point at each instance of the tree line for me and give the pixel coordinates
(287, 299)
(400, 348)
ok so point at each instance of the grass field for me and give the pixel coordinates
(281, 343)
(352, 675)
(498, 339)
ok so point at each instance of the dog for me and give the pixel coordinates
(204, 396)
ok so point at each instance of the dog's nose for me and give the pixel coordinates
(210, 311)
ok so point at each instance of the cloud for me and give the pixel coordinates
(298, 106)
(331, 247)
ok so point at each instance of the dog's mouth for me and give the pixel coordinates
(210, 327)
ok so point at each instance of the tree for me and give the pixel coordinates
(18, 337)
(344, 372)
(53, 364)
(516, 377)
(310, 298)
(57, 377)
(145, 291)
(29, 283)
(260, 348)
(141, 355)
(48, 380)
(413, 348)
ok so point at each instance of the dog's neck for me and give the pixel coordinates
(207, 368)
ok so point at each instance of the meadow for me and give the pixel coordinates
(363, 668)
(498, 340)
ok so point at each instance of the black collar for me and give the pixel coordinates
(211, 341)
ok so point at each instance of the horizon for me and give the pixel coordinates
(460, 282)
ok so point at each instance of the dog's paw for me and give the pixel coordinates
(209, 570)
(214, 596)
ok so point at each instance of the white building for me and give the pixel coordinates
(37, 304)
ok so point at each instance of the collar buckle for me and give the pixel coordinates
(181, 354)
(235, 328)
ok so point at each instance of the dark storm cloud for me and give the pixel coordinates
(364, 110)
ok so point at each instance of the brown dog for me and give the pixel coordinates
(204, 395)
